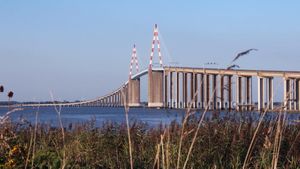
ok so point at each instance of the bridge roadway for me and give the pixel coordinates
(217, 89)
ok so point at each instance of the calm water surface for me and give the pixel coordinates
(152, 117)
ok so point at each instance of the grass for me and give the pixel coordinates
(220, 143)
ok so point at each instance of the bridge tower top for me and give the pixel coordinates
(155, 40)
(134, 60)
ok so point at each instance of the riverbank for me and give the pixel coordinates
(220, 143)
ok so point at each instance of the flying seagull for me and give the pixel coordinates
(233, 66)
(243, 53)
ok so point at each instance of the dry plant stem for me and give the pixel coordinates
(168, 149)
(198, 128)
(6, 116)
(162, 148)
(156, 161)
(249, 151)
(34, 139)
(183, 128)
(293, 144)
(254, 138)
(128, 127)
(278, 137)
(58, 111)
(29, 149)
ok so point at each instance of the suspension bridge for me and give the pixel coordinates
(198, 88)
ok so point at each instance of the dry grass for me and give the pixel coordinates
(223, 143)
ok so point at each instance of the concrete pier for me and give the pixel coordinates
(155, 89)
(134, 93)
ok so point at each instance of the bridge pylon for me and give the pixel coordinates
(133, 84)
(155, 78)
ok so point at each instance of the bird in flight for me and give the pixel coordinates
(243, 53)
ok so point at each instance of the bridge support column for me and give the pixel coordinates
(202, 82)
(126, 98)
(295, 93)
(113, 100)
(120, 98)
(134, 92)
(207, 91)
(185, 90)
(285, 90)
(214, 90)
(171, 90)
(271, 93)
(221, 92)
(298, 94)
(191, 102)
(249, 93)
(288, 94)
(238, 93)
(196, 90)
(182, 90)
(229, 94)
(155, 91)
(260, 96)
(166, 90)
(177, 90)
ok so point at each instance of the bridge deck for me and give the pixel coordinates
(240, 72)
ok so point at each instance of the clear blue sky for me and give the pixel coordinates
(81, 49)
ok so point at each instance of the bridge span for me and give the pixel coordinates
(217, 89)
(200, 88)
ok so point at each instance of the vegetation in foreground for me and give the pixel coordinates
(220, 143)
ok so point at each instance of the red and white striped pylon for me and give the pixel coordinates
(155, 39)
(133, 60)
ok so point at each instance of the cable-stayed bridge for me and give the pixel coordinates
(199, 88)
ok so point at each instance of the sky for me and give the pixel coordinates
(82, 49)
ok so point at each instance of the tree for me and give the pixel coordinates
(1, 89)
(10, 94)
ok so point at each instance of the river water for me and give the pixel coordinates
(152, 117)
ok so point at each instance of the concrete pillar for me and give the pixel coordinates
(298, 94)
(295, 93)
(238, 93)
(202, 82)
(171, 90)
(120, 98)
(288, 94)
(155, 92)
(185, 90)
(214, 107)
(113, 100)
(166, 90)
(177, 90)
(229, 92)
(196, 90)
(191, 90)
(285, 86)
(127, 95)
(134, 93)
(260, 96)
(221, 92)
(271, 93)
(249, 93)
(109, 101)
(207, 91)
